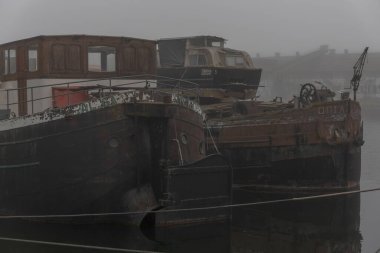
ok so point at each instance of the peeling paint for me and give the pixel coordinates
(94, 104)
(187, 103)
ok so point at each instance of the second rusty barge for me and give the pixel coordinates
(276, 146)
(312, 143)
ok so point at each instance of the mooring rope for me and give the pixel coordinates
(329, 195)
(212, 138)
(74, 245)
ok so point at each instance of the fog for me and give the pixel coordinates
(257, 26)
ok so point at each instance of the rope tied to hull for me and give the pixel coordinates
(71, 245)
(212, 138)
(329, 195)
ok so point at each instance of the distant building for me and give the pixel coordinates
(283, 74)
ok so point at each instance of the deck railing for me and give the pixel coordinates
(104, 87)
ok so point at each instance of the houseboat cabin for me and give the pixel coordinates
(28, 67)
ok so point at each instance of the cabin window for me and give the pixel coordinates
(9, 61)
(217, 44)
(234, 60)
(197, 60)
(32, 59)
(101, 59)
(6, 60)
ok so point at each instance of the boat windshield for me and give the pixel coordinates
(217, 44)
(197, 60)
(234, 60)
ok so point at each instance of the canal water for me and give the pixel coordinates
(339, 224)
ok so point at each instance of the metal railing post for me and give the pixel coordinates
(110, 84)
(7, 99)
(32, 99)
(68, 93)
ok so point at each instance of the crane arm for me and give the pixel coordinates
(358, 70)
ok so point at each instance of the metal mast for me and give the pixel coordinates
(358, 69)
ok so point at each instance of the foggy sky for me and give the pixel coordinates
(257, 26)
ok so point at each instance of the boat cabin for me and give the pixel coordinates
(206, 61)
(29, 66)
(201, 51)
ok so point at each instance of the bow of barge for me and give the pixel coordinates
(84, 132)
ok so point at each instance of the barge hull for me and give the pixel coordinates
(296, 168)
(87, 163)
(310, 149)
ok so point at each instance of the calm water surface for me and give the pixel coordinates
(344, 224)
(370, 202)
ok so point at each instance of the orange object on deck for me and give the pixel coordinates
(64, 96)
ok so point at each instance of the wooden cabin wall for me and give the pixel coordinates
(66, 58)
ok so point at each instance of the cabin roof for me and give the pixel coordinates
(196, 37)
(43, 37)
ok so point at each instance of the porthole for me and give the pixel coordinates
(184, 138)
(113, 143)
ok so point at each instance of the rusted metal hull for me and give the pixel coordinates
(315, 168)
(206, 183)
(66, 165)
(187, 194)
(310, 149)
(91, 162)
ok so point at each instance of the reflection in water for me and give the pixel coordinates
(203, 238)
(96, 235)
(318, 225)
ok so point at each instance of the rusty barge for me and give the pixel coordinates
(280, 147)
(74, 140)
(312, 143)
